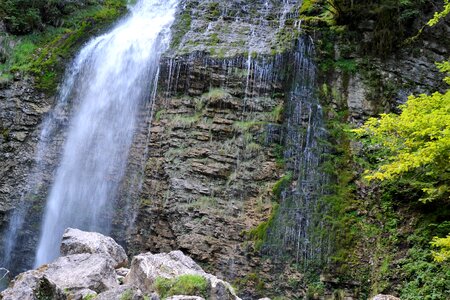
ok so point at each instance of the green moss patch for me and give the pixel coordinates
(189, 285)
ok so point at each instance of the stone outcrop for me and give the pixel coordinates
(77, 275)
(22, 111)
(146, 268)
(75, 241)
(89, 267)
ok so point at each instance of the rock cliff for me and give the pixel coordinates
(214, 151)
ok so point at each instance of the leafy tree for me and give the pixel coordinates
(25, 16)
(417, 142)
(444, 244)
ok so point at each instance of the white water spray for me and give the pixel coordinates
(116, 73)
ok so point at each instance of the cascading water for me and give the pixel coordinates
(116, 73)
(299, 229)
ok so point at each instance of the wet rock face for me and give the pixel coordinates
(228, 28)
(213, 159)
(22, 110)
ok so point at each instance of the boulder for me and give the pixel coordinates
(83, 271)
(33, 285)
(120, 293)
(385, 297)
(74, 275)
(75, 241)
(145, 268)
(89, 269)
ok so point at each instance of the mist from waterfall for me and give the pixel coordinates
(112, 76)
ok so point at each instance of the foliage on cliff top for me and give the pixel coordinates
(42, 53)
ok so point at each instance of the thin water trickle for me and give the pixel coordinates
(116, 76)
(299, 230)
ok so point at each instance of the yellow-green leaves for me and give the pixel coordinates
(417, 142)
(444, 67)
(444, 252)
(440, 15)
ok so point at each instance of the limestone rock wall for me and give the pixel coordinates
(212, 164)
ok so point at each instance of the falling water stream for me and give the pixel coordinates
(300, 230)
(110, 79)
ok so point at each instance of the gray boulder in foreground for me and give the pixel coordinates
(75, 241)
(145, 268)
(93, 265)
(75, 275)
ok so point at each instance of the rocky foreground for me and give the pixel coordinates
(93, 266)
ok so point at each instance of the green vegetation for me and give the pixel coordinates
(253, 280)
(91, 297)
(438, 16)
(259, 234)
(128, 295)
(215, 95)
(184, 121)
(444, 252)
(416, 145)
(426, 279)
(180, 28)
(43, 51)
(189, 285)
(407, 158)
(246, 126)
(282, 184)
(277, 113)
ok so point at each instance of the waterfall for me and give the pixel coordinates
(115, 74)
(300, 230)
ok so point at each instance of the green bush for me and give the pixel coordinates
(24, 16)
(44, 54)
(189, 285)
